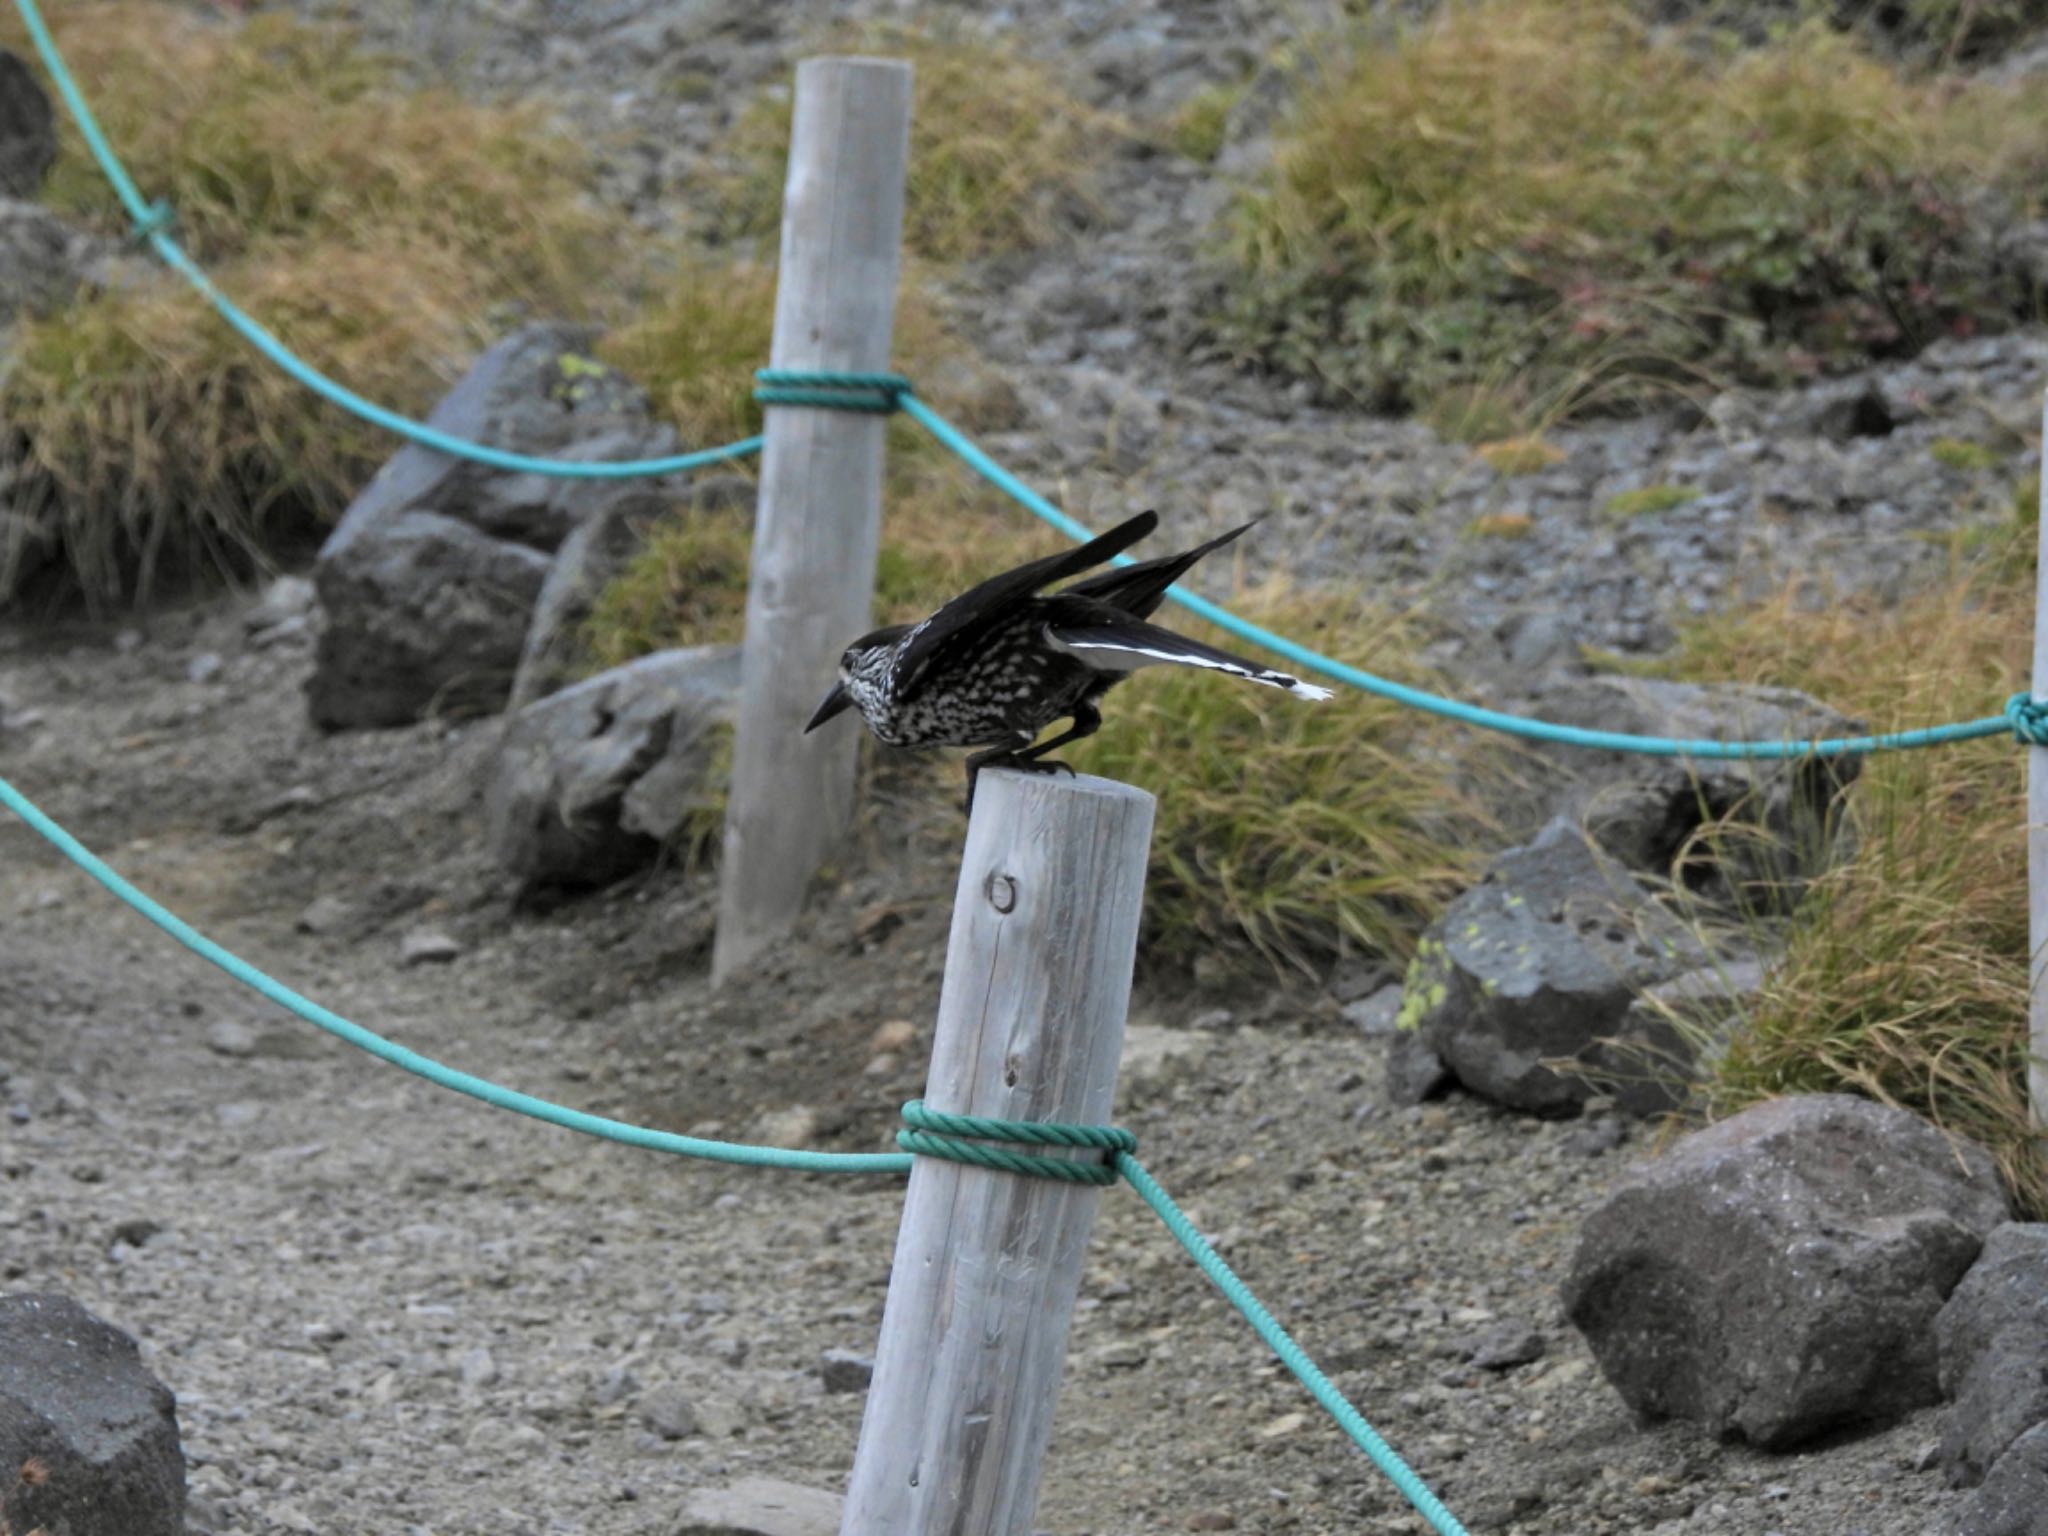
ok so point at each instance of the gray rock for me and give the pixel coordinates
(426, 616)
(668, 1411)
(593, 781)
(2014, 1498)
(44, 261)
(846, 1370)
(430, 579)
(323, 914)
(76, 1401)
(1507, 1345)
(1536, 967)
(1645, 810)
(543, 510)
(535, 392)
(1778, 1275)
(285, 599)
(1415, 1071)
(231, 1037)
(1993, 1337)
(761, 1506)
(428, 946)
(1681, 1023)
(28, 129)
(607, 538)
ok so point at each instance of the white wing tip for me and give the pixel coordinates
(1303, 690)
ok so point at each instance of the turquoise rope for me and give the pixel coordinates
(152, 220)
(929, 1133)
(1291, 1354)
(421, 1066)
(959, 1138)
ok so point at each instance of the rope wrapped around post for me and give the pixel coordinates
(959, 1138)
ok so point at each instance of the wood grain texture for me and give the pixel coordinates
(818, 524)
(1031, 1023)
(2037, 843)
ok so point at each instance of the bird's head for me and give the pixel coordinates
(863, 673)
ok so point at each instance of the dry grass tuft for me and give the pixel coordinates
(384, 233)
(1000, 152)
(1904, 976)
(1517, 209)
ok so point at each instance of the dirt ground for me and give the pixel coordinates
(384, 1308)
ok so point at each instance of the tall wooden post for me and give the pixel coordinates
(1031, 1022)
(819, 520)
(2037, 833)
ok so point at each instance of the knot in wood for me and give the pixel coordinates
(1002, 891)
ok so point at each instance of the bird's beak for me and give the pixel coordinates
(835, 701)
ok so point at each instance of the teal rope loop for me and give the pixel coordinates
(155, 219)
(959, 1138)
(878, 393)
(2028, 719)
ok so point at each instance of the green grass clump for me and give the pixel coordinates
(1648, 500)
(1904, 973)
(1526, 455)
(1292, 830)
(1197, 128)
(1959, 454)
(383, 232)
(1531, 207)
(1500, 525)
(1000, 151)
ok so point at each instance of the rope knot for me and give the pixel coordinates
(2028, 719)
(960, 1138)
(876, 393)
(155, 219)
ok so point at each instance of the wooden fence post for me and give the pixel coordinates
(2037, 836)
(819, 519)
(1031, 1023)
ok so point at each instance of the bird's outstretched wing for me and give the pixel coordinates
(975, 610)
(1115, 642)
(1140, 589)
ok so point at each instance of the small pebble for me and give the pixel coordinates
(428, 946)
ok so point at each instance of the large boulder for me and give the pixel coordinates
(2014, 1498)
(614, 530)
(427, 616)
(44, 261)
(595, 781)
(1522, 989)
(1645, 810)
(1777, 1275)
(428, 521)
(1993, 1336)
(28, 129)
(88, 1437)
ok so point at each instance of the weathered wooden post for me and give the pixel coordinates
(1031, 1022)
(819, 519)
(2037, 835)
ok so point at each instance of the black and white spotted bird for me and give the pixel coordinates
(1000, 663)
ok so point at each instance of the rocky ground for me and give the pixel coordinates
(386, 1309)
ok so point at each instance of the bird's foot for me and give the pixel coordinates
(1041, 765)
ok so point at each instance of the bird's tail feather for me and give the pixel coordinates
(1126, 646)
